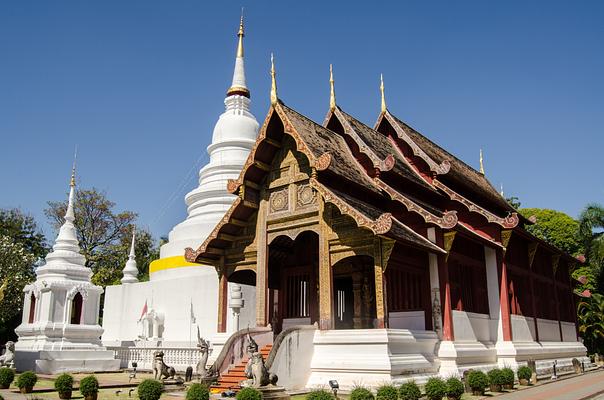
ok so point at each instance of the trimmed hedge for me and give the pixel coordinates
(387, 392)
(7, 376)
(361, 393)
(525, 372)
(478, 381)
(150, 389)
(27, 380)
(318, 394)
(435, 388)
(495, 377)
(64, 383)
(508, 376)
(455, 388)
(410, 391)
(197, 391)
(89, 385)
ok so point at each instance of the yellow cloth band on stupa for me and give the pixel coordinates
(171, 262)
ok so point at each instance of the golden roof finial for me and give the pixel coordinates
(240, 34)
(382, 92)
(481, 163)
(73, 169)
(332, 90)
(273, 82)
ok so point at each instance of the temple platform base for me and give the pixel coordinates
(56, 362)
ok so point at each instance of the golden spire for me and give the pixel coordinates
(382, 92)
(273, 82)
(481, 163)
(73, 169)
(332, 90)
(240, 34)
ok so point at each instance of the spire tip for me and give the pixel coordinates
(332, 90)
(384, 108)
(274, 97)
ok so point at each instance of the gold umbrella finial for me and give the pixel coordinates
(382, 93)
(73, 168)
(481, 163)
(332, 90)
(274, 97)
(240, 34)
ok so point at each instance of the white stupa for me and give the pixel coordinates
(60, 328)
(184, 295)
(130, 271)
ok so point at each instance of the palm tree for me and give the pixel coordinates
(591, 232)
(591, 325)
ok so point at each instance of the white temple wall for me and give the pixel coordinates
(469, 326)
(59, 306)
(247, 315)
(549, 331)
(523, 328)
(414, 320)
(569, 333)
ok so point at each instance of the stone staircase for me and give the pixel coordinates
(236, 374)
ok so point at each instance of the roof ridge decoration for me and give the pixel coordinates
(383, 105)
(508, 222)
(439, 169)
(481, 163)
(447, 221)
(274, 98)
(382, 165)
(332, 90)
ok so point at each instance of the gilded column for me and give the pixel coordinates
(380, 303)
(223, 287)
(262, 266)
(325, 272)
(443, 273)
(504, 299)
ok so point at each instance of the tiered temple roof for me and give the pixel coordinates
(391, 180)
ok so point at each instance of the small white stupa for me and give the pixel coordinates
(130, 271)
(60, 329)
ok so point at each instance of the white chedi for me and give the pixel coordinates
(233, 137)
(59, 331)
(130, 271)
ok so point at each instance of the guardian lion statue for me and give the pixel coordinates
(257, 373)
(8, 358)
(160, 369)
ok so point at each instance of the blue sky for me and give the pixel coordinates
(138, 86)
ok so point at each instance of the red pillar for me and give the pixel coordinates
(504, 301)
(443, 274)
(223, 288)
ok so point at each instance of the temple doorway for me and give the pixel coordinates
(292, 281)
(354, 293)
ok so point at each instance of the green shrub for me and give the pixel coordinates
(7, 376)
(525, 372)
(197, 391)
(89, 385)
(455, 388)
(249, 393)
(317, 394)
(386, 392)
(495, 377)
(150, 389)
(64, 383)
(508, 376)
(27, 380)
(477, 380)
(410, 391)
(361, 393)
(435, 388)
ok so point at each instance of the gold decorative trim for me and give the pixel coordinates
(447, 221)
(439, 169)
(510, 221)
(323, 162)
(448, 238)
(506, 235)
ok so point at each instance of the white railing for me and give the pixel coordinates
(178, 357)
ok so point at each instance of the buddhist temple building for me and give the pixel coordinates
(383, 257)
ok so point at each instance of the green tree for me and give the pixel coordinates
(591, 235)
(16, 271)
(22, 228)
(105, 235)
(591, 325)
(556, 228)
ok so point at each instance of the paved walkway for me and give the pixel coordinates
(588, 386)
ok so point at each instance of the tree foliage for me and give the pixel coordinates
(16, 271)
(22, 228)
(556, 228)
(105, 235)
(590, 313)
(591, 234)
